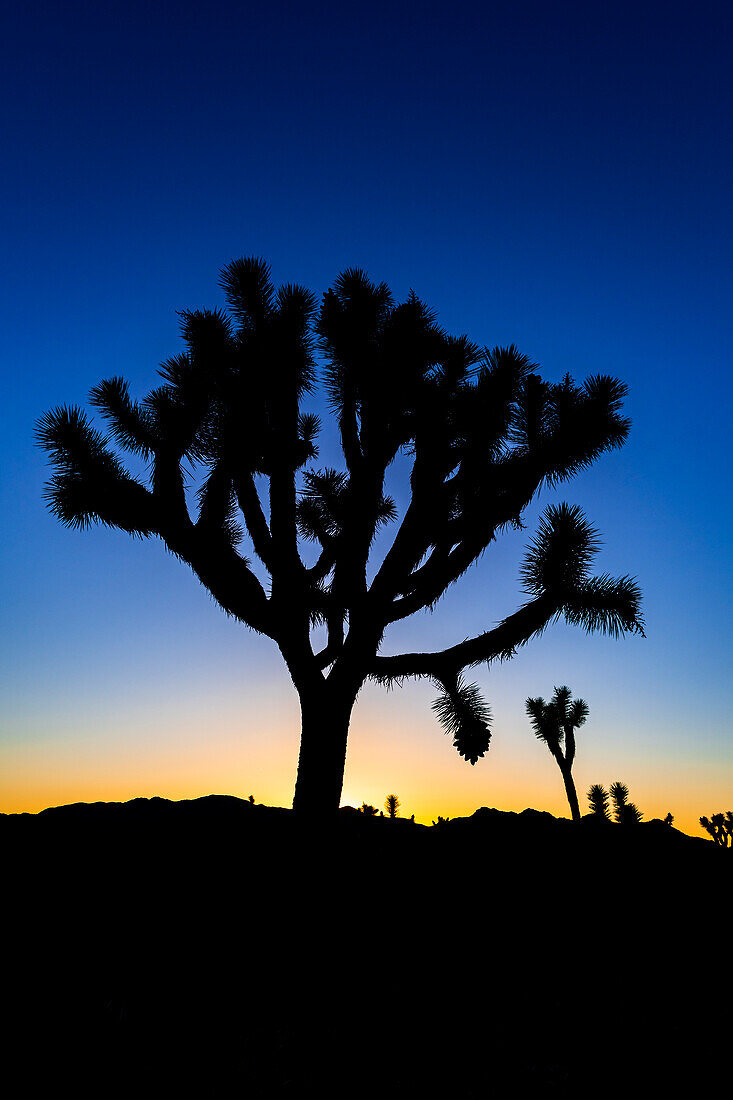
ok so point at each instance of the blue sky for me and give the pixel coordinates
(554, 175)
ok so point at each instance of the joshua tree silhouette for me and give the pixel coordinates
(484, 433)
(624, 812)
(392, 805)
(598, 801)
(720, 827)
(555, 723)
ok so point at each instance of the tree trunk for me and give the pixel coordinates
(325, 718)
(567, 775)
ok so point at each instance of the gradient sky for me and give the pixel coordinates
(554, 175)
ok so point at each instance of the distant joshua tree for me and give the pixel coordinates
(555, 723)
(624, 812)
(367, 810)
(227, 449)
(392, 805)
(720, 827)
(441, 820)
(669, 819)
(598, 801)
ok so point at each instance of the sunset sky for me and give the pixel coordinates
(557, 176)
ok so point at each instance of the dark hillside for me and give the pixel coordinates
(216, 945)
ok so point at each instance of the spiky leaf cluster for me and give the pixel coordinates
(598, 801)
(466, 717)
(624, 812)
(555, 722)
(90, 483)
(392, 805)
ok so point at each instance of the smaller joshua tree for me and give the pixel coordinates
(598, 801)
(624, 812)
(367, 810)
(720, 827)
(392, 805)
(555, 723)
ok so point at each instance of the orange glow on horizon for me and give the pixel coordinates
(420, 767)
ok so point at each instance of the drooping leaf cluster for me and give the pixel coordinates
(466, 717)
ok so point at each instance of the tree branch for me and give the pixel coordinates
(254, 517)
(226, 575)
(502, 641)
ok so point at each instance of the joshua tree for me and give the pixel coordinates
(227, 441)
(624, 812)
(367, 810)
(669, 818)
(392, 805)
(555, 723)
(598, 801)
(720, 827)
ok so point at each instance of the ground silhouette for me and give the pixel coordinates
(484, 434)
(219, 945)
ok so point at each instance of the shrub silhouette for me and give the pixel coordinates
(598, 801)
(392, 805)
(624, 812)
(484, 433)
(367, 810)
(555, 723)
(441, 820)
